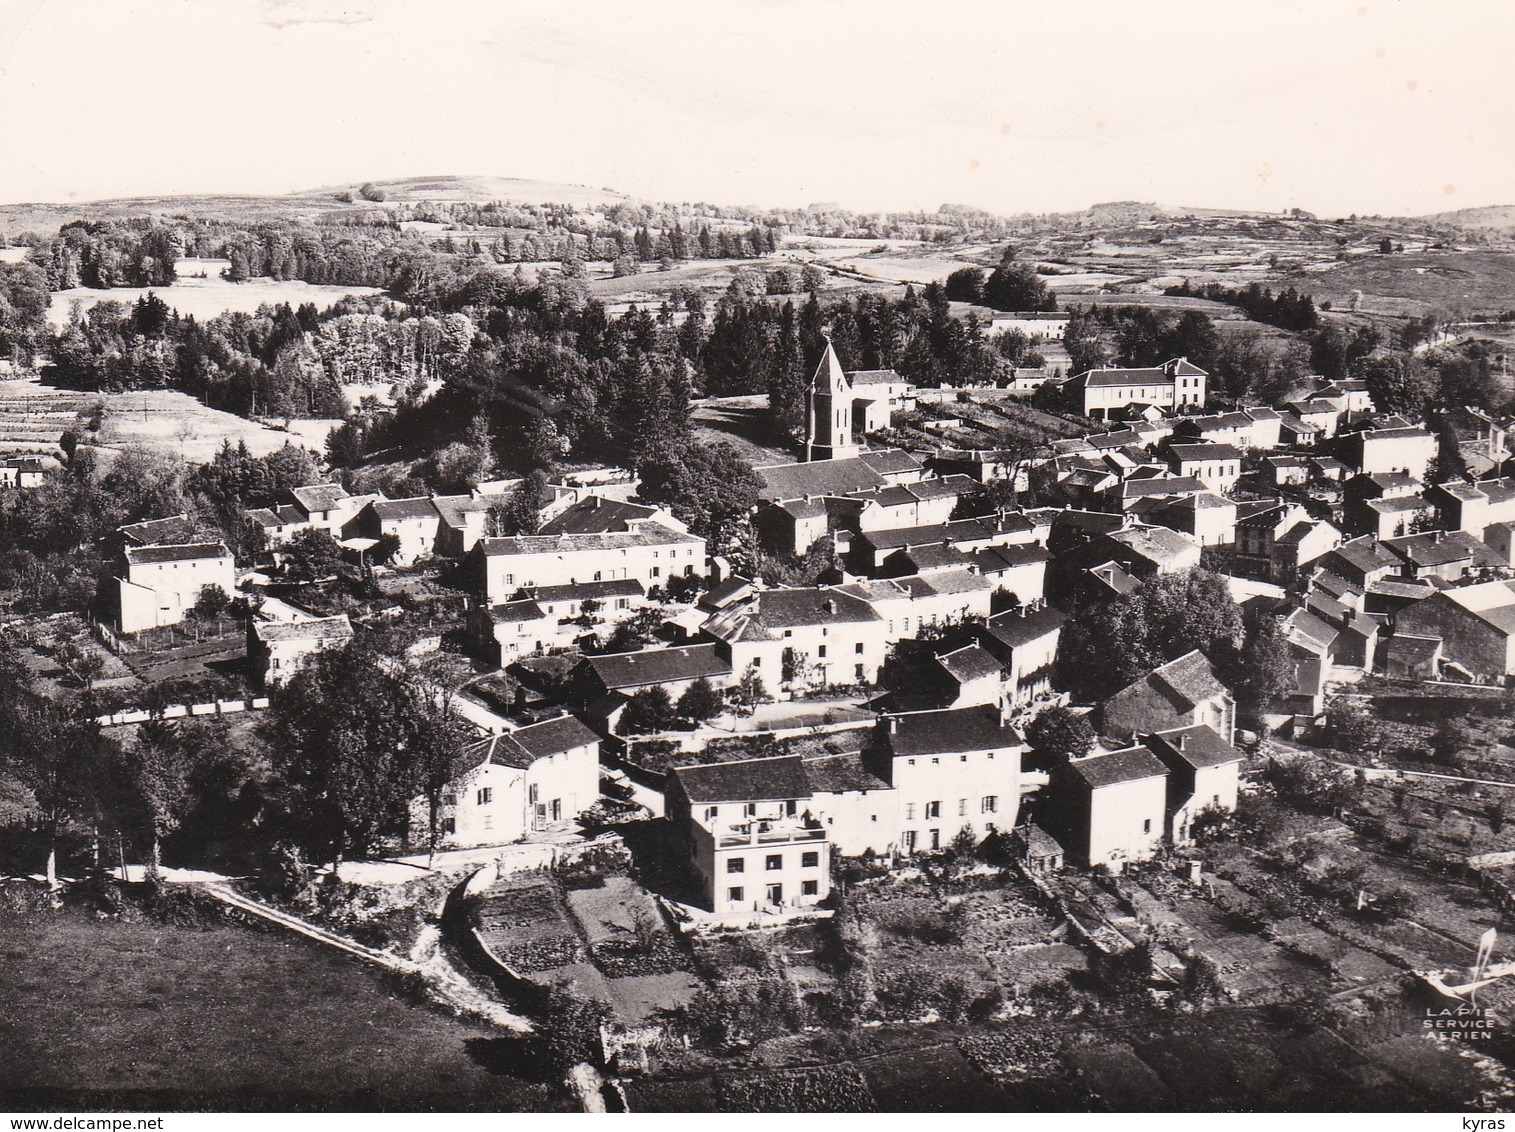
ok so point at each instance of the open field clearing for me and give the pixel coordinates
(206, 297)
(33, 416)
(148, 1016)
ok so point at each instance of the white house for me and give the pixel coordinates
(276, 648)
(650, 553)
(513, 784)
(160, 584)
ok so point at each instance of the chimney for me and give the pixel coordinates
(894, 725)
(1182, 739)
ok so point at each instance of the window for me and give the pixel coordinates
(752, 809)
(449, 826)
(449, 799)
(484, 796)
(788, 632)
(820, 651)
(962, 807)
(531, 794)
(933, 810)
(775, 862)
(962, 758)
(1216, 799)
(810, 860)
(858, 648)
(510, 579)
(990, 804)
(907, 839)
(775, 894)
(735, 895)
(909, 811)
(936, 839)
(858, 673)
(910, 761)
(1147, 825)
(597, 575)
(736, 864)
(810, 888)
(654, 573)
(712, 812)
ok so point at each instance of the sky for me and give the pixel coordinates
(1399, 107)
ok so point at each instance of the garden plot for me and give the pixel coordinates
(525, 926)
(646, 969)
(826, 1088)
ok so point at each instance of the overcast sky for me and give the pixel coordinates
(1391, 106)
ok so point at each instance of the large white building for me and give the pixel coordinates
(1175, 385)
(649, 552)
(158, 585)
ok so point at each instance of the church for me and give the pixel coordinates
(845, 407)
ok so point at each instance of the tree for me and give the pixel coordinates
(649, 709)
(1266, 671)
(1060, 734)
(1111, 644)
(1017, 287)
(311, 555)
(212, 603)
(966, 285)
(749, 691)
(709, 486)
(1399, 383)
(700, 701)
(520, 511)
(159, 768)
(355, 737)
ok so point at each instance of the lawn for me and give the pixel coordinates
(104, 1014)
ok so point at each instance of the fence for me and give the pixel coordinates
(182, 711)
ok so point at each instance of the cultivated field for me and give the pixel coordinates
(33, 416)
(205, 297)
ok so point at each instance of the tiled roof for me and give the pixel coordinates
(968, 664)
(188, 552)
(750, 780)
(1114, 767)
(174, 530)
(840, 774)
(1191, 679)
(596, 515)
(1187, 452)
(1200, 746)
(336, 628)
(657, 666)
(954, 731)
(874, 377)
(513, 612)
(581, 591)
(522, 747)
(646, 534)
(319, 497)
(782, 482)
(1015, 628)
(398, 510)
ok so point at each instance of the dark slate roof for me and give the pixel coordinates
(581, 591)
(838, 774)
(751, 780)
(1015, 628)
(657, 666)
(645, 534)
(1186, 452)
(397, 510)
(550, 737)
(809, 606)
(522, 747)
(1161, 485)
(174, 530)
(969, 663)
(1191, 678)
(511, 612)
(998, 559)
(596, 515)
(1439, 548)
(336, 628)
(890, 461)
(954, 731)
(185, 553)
(319, 497)
(1129, 765)
(1199, 746)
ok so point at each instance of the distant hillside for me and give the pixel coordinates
(1494, 216)
(47, 216)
